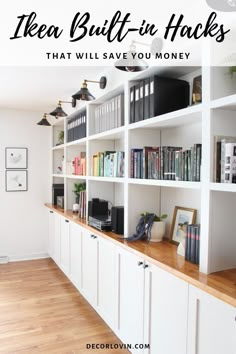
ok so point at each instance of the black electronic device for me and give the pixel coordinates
(100, 222)
(57, 191)
(117, 219)
(97, 207)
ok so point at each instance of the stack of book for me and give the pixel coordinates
(192, 243)
(80, 164)
(166, 163)
(224, 159)
(82, 205)
(108, 164)
(157, 95)
(76, 126)
(109, 115)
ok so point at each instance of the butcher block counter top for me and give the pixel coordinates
(163, 254)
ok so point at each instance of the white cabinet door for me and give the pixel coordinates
(51, 236)
(90, 267)
(212, 324)
(75, 254)
(65, 245)
(130, 299)
(57, 244)
(106, 283)
(166, 312)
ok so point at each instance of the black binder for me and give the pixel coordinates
(136, 102)
(146, 104)
(76, 135)
(167, 95)
(69, 128)
(141, 100)
(132, 91)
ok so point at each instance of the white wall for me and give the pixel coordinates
(23, 225)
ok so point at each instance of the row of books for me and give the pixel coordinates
(157, 95)
(109, 115)
(76, 126)
(108, 164)
(225, 159)
(77, 166)
(80, 164)
(192, 243)
(166, 163)
(82, 205)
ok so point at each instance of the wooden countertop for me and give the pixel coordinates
(163, 254)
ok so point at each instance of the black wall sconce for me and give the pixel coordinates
(133, 64)
(84, 94)
(58, 111)
(44, 121)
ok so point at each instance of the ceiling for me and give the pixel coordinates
(40, 88)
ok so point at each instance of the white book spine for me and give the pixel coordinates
(230, 163)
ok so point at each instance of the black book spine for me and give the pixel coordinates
(69, 131)
(193, 245)
(218, 162)
(187, 243)
(141, 100)
(132, 100)
(77, 128)
(197, 255)
(152, 97)
(199, 157)
(137, 103)
(146, 109)
(132, 163)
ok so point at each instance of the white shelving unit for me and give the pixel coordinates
(215, 202)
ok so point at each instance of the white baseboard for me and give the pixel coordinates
(28, 257)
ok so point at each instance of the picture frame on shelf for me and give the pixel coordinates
(197, 90)
(16, 158)
(16, 180)
(181, 218)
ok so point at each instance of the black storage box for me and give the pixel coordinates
(157, 95)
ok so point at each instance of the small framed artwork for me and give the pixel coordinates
(197, 90)
(16, 181)
(181, 218)
(16, 158)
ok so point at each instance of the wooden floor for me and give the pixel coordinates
(42, 312)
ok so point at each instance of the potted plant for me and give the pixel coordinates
(79, 187)
(158, 226)
(60, 137)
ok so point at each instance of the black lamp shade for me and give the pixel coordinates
(58, 112)
(83, 94)
(44, 122)
(130, 64)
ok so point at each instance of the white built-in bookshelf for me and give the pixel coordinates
(198, 123)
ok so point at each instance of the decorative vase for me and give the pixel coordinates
(158, 231)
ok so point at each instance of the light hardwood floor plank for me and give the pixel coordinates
(42, 312)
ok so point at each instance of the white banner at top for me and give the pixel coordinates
(98, 33)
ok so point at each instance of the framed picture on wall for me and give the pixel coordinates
(16, 181)
(16, 158)
(181, 218)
